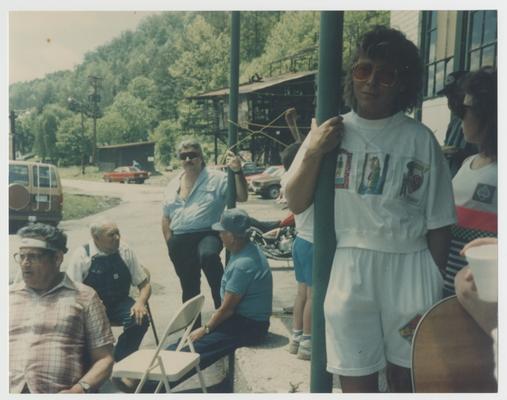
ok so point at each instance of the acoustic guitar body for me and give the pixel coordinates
(451, 353)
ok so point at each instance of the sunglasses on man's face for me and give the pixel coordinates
(385, 75)
(190, 155)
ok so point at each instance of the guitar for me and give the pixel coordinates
(451, 353)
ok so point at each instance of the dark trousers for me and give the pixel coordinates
(191, 252)
(132, 336)
(235, 332)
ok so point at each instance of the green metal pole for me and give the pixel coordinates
(233, 103)
(328, 103)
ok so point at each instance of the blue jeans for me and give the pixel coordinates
(235, 332)
(132, 336)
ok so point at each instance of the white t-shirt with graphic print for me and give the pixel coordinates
(392, 184)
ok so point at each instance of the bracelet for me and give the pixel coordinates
(206, 329)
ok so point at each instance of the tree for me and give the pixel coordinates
(112, 128)
(296, 30)
(165, 136)
(45, 135)
(141, 87)
(73, 145)
(129, 119)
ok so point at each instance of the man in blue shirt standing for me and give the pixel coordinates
(193, 201)
(246, 291)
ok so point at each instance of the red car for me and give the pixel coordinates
(126, 175)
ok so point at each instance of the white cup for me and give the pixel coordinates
(483, 261)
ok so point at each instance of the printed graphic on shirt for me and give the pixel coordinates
(407, 331)
(413, 179)
(484, 193)
(343, 163)
(374, 174)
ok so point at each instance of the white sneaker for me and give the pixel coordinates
(294, 344)
(305, 349)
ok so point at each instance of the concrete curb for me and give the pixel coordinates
(270, 368)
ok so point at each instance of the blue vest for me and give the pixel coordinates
(110, 278)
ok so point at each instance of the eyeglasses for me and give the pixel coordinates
(192, 155)
(385, 75)
(32, 258)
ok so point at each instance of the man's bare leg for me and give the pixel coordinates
(399, 379)
(360, 384)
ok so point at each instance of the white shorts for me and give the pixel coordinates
(371, 307)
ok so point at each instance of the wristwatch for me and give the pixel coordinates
(206, 329)
(239, 171)
(85, 386)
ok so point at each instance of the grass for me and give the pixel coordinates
(92, 173)
(76, 206)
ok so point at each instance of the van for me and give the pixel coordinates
(35, 194)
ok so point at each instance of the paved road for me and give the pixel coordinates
(138, 217)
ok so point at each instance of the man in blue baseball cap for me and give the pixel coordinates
(246, 291)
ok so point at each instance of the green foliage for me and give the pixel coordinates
(165, 135)
(131, 115)
(25, 131)
(297, 30)
(203, 62)
(147, 75)
(142, 88)
(73, 145)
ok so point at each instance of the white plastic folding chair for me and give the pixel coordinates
(162, 365)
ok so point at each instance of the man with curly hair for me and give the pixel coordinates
(392, 238)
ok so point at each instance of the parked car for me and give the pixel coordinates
(35, 194)
(267, 184)
(265, 171)
(250, 168)
(126, 175)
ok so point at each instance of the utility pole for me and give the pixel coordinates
(328, 103)
(94, 100)
(77, 106)
(233, 102)
(12, 118)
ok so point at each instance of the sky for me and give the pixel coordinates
(42, 42)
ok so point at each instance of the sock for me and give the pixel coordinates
(296, 334)
(306, 337)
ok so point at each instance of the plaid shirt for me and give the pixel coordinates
(51, 335)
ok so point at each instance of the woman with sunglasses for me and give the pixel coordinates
(475, 184)
(195, 200)
(393, 235)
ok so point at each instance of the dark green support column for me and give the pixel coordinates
(233, 103)
(328, 102)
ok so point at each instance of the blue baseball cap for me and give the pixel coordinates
(233, 220)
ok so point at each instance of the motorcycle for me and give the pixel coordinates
(274, 237)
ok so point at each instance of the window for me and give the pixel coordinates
(438, 64)
(44, 177)
(482, 39)
(18, 174)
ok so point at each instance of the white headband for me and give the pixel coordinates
(37, 243)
